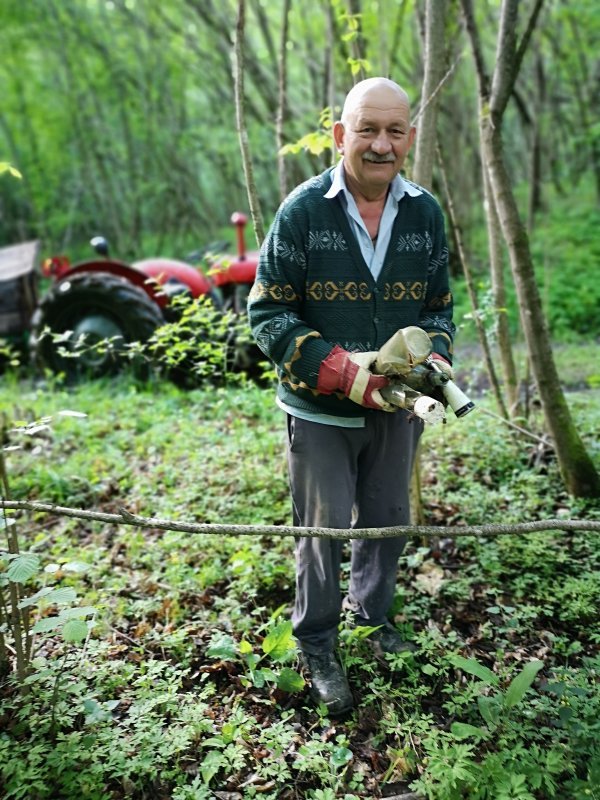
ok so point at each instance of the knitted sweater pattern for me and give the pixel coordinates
(313, 289)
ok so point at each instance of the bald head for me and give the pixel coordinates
(373, 136)
(380, 93)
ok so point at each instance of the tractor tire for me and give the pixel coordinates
(101, 306)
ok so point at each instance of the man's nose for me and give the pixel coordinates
(382, 143)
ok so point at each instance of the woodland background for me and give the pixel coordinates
(161, 665)
(120, 116)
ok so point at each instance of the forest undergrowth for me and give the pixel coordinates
(185, 683)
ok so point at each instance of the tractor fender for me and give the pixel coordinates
(240, 270)
(170, 270)
(121, 270)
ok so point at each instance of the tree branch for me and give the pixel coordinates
(523, 44)
(421, 110)
(505, 74)
(282, 104)
(125, 518)
(238, 80)
(483, 77)
(509, 54)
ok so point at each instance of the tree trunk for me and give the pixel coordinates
(470, 283)
(357, 43)
(434, 65)
(330, 77)
(535, 178)
(587, 94)
(422, 171)
(576, 466)
(507, 361)
(282, 103)
(238, 79)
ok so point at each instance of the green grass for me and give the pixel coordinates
(178, 691)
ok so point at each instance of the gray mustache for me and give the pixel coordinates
(378, 158)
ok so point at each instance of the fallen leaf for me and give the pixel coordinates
(430, 578)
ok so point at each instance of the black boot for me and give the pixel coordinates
(328, 683)
(386, 639)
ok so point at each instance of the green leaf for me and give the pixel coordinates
(223, 646)
(279, 641)
(252, 660)
(94, 712)
(259, 678)
(489, 708)
(520, 684)
(473, 667)
(75, 566)
(290, 681)
(75, 630)
(211, 764)
(361, 632)
(315, 143)
(23, 567)
(33, 599)
(278, 612)
(47, 624)
(461, 730)
(245, 647)
(341, 756)
(77, 612)
(56, 596)
(269, 674)
(6, 167)
(61, 596)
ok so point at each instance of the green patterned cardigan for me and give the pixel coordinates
(313, 289)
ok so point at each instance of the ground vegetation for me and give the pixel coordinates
(162, 664)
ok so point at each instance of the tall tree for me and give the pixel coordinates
(282, 104)
(434, 63)
(577, 468)
(238, 76)
(503, 338)
(426, 149)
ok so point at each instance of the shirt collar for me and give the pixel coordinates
(398, 187)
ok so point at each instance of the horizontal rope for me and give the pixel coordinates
(125, 518)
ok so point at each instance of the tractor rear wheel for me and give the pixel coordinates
(86, 309)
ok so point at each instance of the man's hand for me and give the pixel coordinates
(351, 374)
(443, 365)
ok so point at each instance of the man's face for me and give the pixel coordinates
(374, 139)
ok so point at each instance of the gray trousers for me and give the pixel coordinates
(343, 478)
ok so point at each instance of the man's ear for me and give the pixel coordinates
(411, 136)
(338, 136)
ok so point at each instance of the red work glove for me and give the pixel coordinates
(349, 373)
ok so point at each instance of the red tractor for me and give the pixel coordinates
(107, 299)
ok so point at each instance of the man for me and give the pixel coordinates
(353, 255)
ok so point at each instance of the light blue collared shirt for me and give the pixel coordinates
(373, 253)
